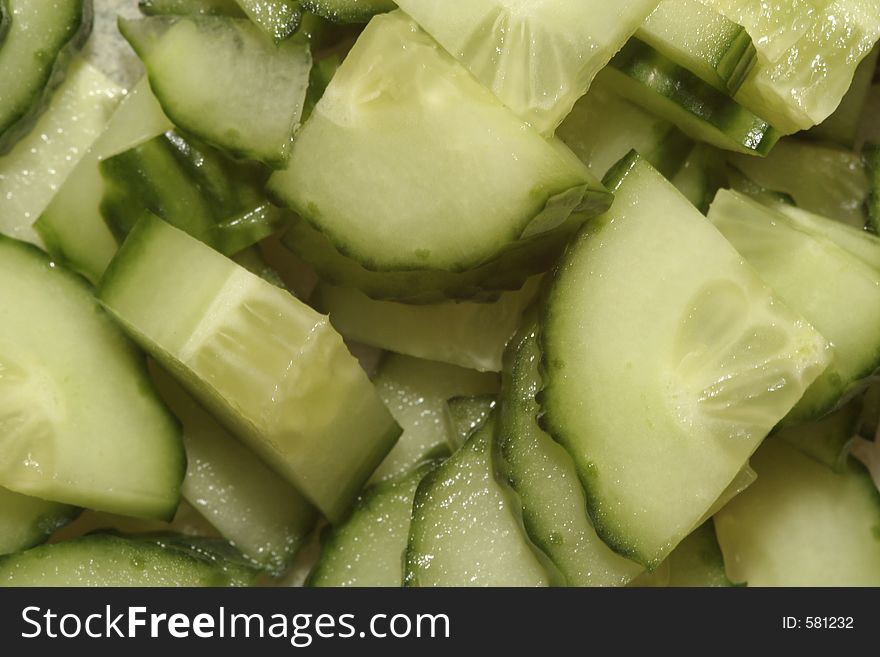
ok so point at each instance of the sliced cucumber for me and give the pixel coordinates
(802, 524)
(269, 367)
(368, 549)
(703, 173)
(416, 391)
(39, 163)
(72, 226)
(27, 521)
(808, 273)
(279, 19)
(81, 423)
(702, 40)
(471, 335)
(191, 8)
(871, 157)
(698, 561)
(349, 11)
(544, 476)
(41, 40)
(466, 529)
(427, 188)
(464, 415)
(538, 57)
(827, 180)
(109, 560)
(647, 78)
(253, 508)
(219, 79)
(828, 440)
(660, 416)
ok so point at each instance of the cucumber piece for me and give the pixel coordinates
(269, 367)
(440, 176)
(349, 11)
(470, 335)
(278, 19)
(81, 423)
(717, 50)
(704, 172)
(368, 549)
(116, 561)
(41, 40)
(660, 416)
(745, 478)
(543, 475)
(191, 186)
(698, 561)
(802, 524)
(39, 163)
(538, 57)
(871, 158)
(416, 391)
(829, 439)
(827, 180)
(253, 508)
(464, 415)
(221, 81)
(186, 521)
(191, 8)
(808, 273)
(27, 521)
(603, 127)
(466, 529)
(641, 74)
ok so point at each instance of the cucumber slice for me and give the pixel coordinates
(109, 560)
(368, 549)
(42, 39)
(191, 8)
(466, 529)
(802, 524)
(39, 163)
(698, 561)
(603, 127)
(440, 176)
(702, 40)
(253, 508)
(660, 416)
(703, 173)
(647, 78)
(81, 423)
(544, 476)
(808, 273)
(279, 19)
(186, 521)
(349, 11)
(269, 367)
(27, 521)
(464, 415)
(828, 440)
(416, 391)
(538, 57)
(470, 335)
(71, 226)
(827, 180)
(871, 158)
(220, 80)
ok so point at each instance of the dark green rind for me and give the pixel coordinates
(348, 11)
(871, 157)
(737, 62)
(191, 8)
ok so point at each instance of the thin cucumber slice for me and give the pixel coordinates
(698, 561)
(27, 521)
(38, 164)
(602, 128)
(191, 8)
(41, 40)
(253, 508)
(279, 19)
(417, 141)
(871, 158)
(808, 273)
(828, 440)
(544, 476)
(824, 179)
(466, 529)
(538, 57)
(268, 366)
(801, 524)
(464, 415)
(703, 173)
(368, 549)
(693, 35)
(222, 81)
(416, 391)
(471, 335)
(349, 11)
(647, 78)
(660, 416)
(114, 561)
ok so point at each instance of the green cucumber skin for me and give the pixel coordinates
(278, 19)
(348, 11)
(14, 127)
(191, 8)
(738, 62)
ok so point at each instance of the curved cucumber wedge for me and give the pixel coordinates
(222, 81)
(191, 8)
(659, 417)
(42, 38)
(349, 11)
(26, 521)
(279, 19)
(268, 366)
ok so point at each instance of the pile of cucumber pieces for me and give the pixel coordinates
(459, 293)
